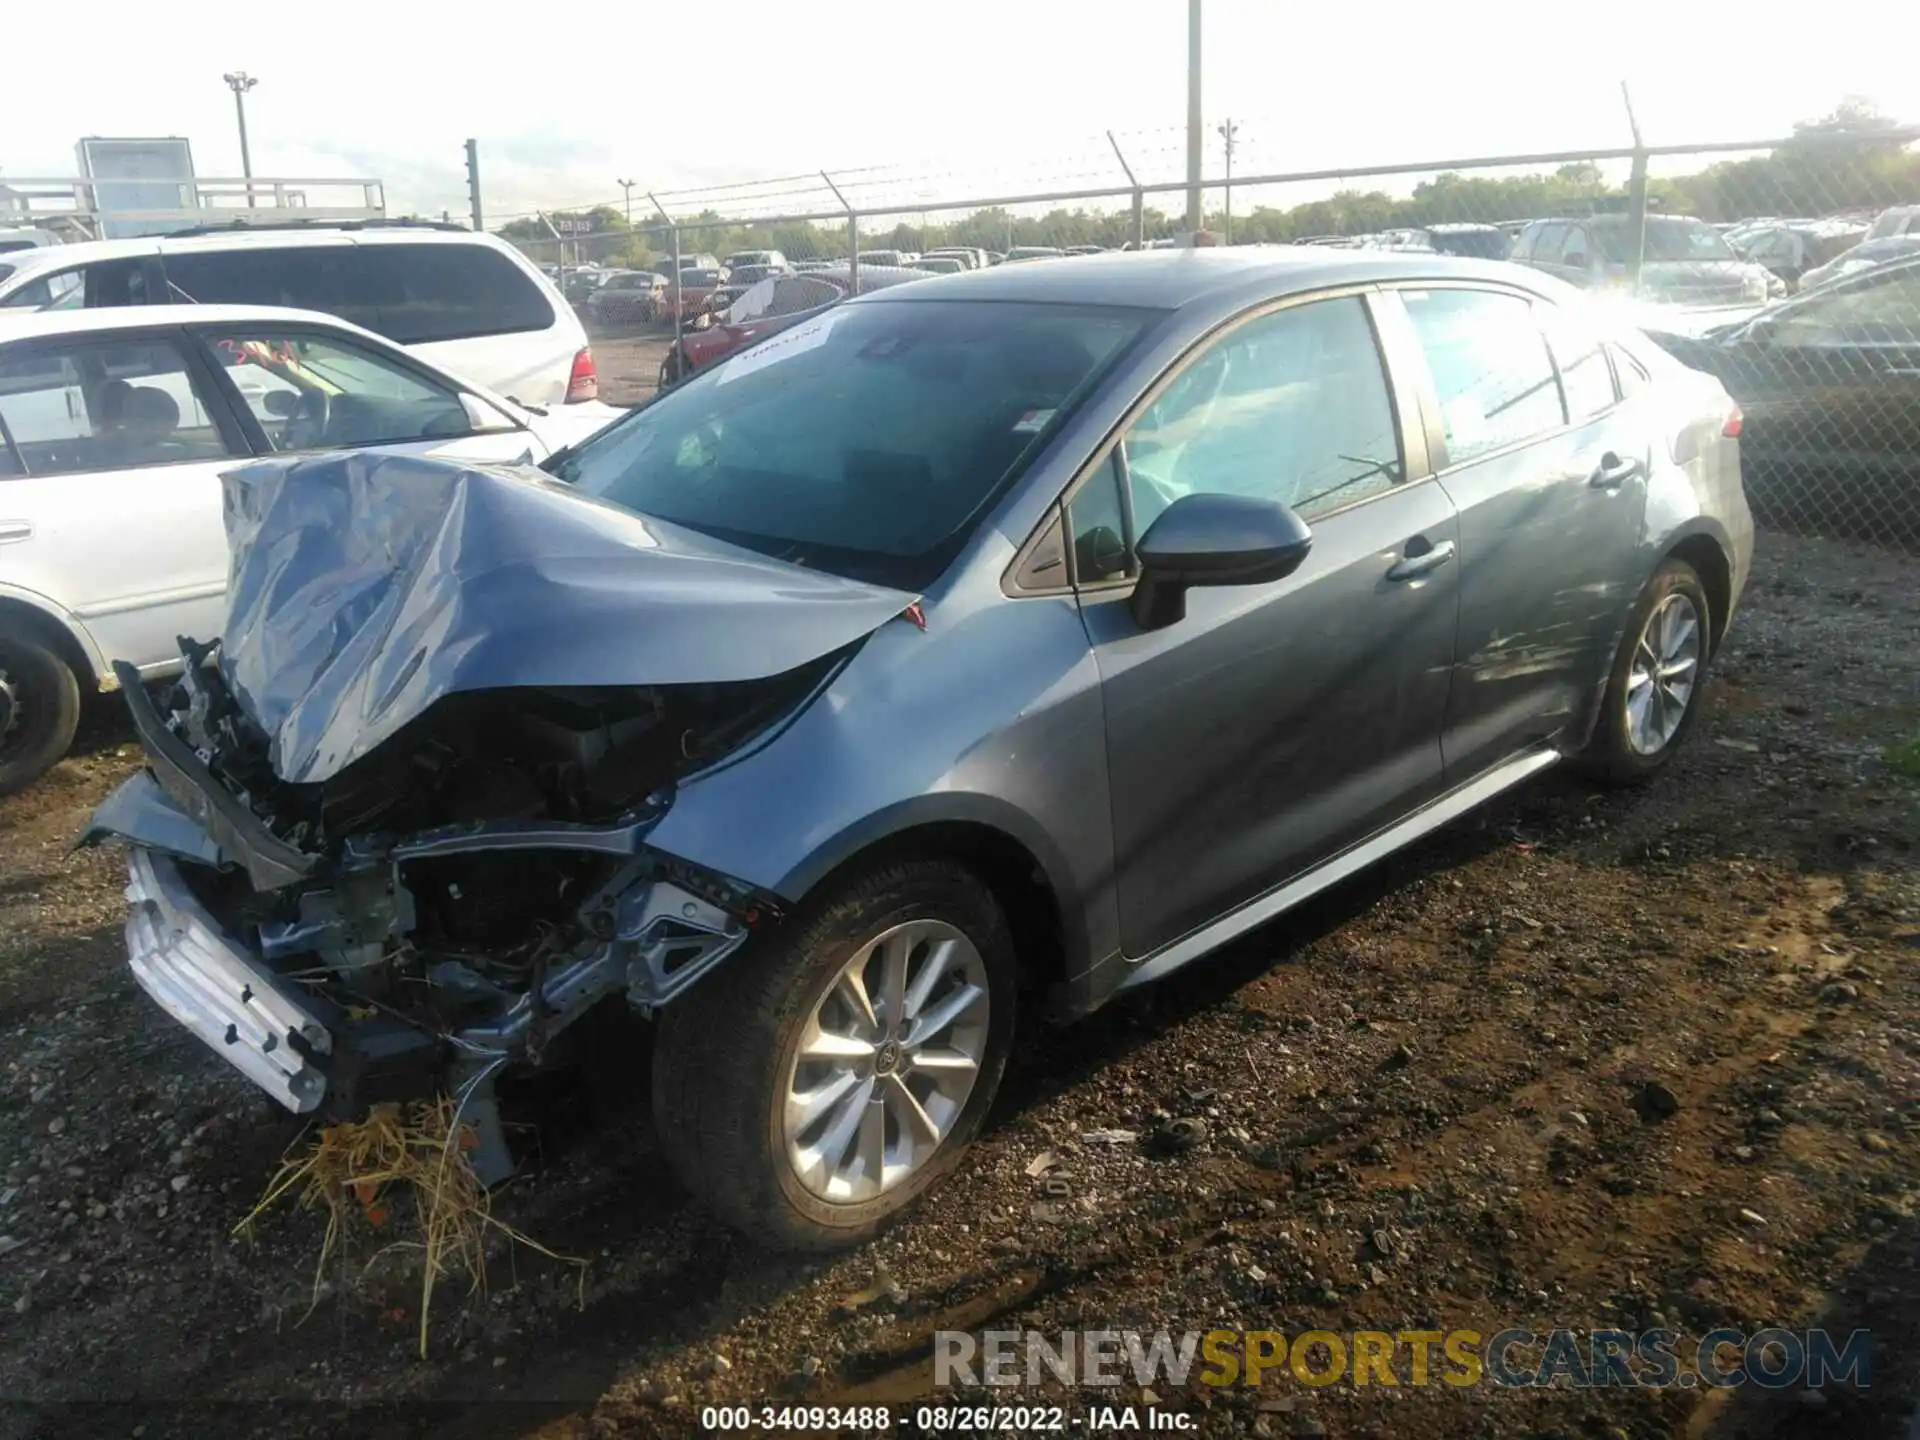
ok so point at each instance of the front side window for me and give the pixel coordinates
(1494, 378)
(1291, 407)
(1102, 544)
(867, 441)
(312, 392)
(116, 405)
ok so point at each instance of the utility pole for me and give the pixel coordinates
(1196, 128)
(1227, 131)
(627, 186)
(473, 182)
(240, 82)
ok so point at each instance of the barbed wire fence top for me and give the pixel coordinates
(1789, 267)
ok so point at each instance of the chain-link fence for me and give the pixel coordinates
(1790, 269)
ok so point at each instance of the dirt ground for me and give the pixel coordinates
(1433, 1098)
(628, 363)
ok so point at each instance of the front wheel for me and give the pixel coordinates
(1653, 691)
(818, 1083)
(39, 710)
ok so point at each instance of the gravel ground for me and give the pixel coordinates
(1584, 1059)
(628, 363)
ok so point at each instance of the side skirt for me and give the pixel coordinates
(1430, 817)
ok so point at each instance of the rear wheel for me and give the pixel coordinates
(1653, 691)
(816, 1085)
(39, 710)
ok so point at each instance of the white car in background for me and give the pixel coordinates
(467, 301)
(115, 426)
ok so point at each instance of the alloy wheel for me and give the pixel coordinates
(1665, 670)
(886, 1061)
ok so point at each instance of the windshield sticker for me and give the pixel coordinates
(783, 346)
(1032, 422)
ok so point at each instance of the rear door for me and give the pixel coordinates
(1550, 511)
(113, 512)
(1274, 724)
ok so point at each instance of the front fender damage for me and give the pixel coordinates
(650, 930)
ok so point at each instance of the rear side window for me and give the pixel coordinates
(412, 294)
(1494, 377)
(796, 294)
(1586, 380)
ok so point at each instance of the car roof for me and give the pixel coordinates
(1171, 279)
(83, 252)
(39, 324)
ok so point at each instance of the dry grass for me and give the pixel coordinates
(359, 1173)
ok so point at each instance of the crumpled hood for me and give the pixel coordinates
(366, 587)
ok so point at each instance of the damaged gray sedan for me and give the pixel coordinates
(980, 648)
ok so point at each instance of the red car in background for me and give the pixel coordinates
(767, 308)
(696, 288)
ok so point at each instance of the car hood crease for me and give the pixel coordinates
(365, 587)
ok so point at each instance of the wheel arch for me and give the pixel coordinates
(67, 638)
(1710, 561)
(1023, 874)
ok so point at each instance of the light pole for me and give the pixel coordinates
(627, 186)
(240, 82)
(1227, 131)
(1196, 137)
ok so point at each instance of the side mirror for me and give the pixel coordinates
(280, 403)
(1212, 539)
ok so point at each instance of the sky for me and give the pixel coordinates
(928, 103)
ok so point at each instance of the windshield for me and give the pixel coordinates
(867, 441)
(1667, 240)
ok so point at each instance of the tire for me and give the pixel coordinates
(725, 1058)
(39, 710)
(1618, 752)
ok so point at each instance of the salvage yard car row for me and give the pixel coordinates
(990, 640)
(1077, 615)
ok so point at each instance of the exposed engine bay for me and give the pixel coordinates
(392, 838)
(478, 882)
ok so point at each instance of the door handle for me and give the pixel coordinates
(1412, 567)
(1613, 472)
(15, 530)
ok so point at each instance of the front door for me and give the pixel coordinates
(112, 512)
(1278, 723)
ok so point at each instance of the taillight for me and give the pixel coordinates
(583, 383)
(1731, 429)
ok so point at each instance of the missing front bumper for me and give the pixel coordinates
(207, 981)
